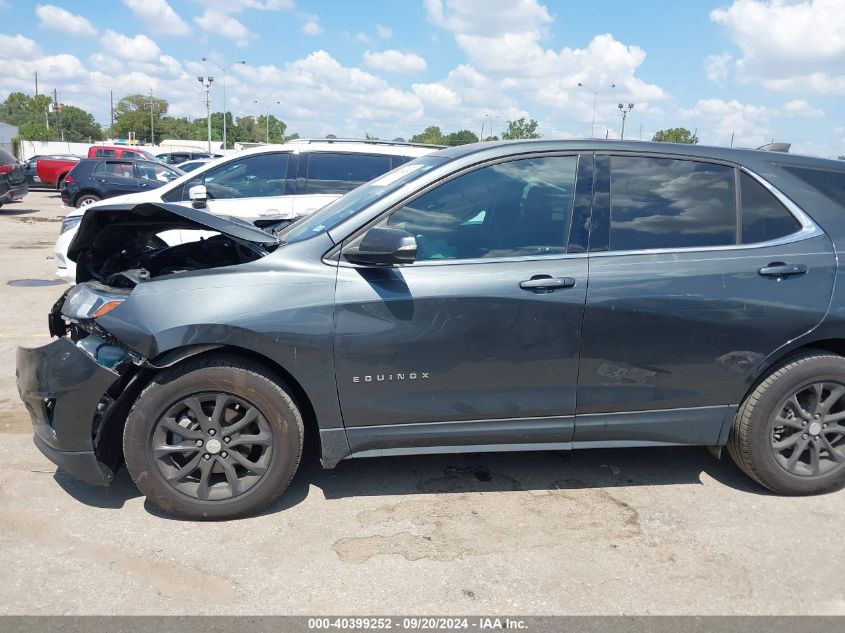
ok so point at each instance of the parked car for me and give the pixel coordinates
(12, 181)
(52, 170)
(30, 168)
(269, 183)
(119, 151)
(95, 179)
(177, 158)
(497, 296)
(193, 165)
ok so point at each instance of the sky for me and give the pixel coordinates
(751, 70)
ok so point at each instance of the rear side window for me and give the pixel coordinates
(338, 173)
(764, 218)
(830, 183)
(668, 203)
(105, 153)
(115, 168)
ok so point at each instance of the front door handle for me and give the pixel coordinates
(779, 269)
(545, 282)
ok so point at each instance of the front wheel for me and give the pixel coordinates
(789, 433)
(215, 437)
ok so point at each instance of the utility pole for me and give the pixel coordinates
(36, 83)
(206, 82)
(111, 107)
(732, 137)
(624, 111)
(152, 124)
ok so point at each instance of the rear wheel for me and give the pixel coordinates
(789, 433)
(86, 200)
(213, 438)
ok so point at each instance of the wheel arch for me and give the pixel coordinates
(110, 434)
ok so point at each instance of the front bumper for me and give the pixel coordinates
(62, 387)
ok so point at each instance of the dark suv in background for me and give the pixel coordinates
(12, 180)
(528, 295)
(95, 179)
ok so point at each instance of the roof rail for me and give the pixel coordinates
(776, 147)
(362, 140)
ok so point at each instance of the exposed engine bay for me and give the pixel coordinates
(122, 246)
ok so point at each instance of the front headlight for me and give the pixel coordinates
(91, 300)
(70, 222)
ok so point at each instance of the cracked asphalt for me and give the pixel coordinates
(633, 531)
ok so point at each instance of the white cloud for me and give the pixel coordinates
(236, 6)
(716, 67)
(225, 25)
(139, 48)
(800, 108)
(393, 61)
(312, 25)
(17, 46)
(716, 120)
(790, 46)
(362, 38)
(158, 16)
(58, 19)
(384, 32)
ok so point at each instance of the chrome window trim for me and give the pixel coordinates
(808, 229)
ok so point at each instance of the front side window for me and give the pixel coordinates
(155, 171)
(668, 203)
(764, 218)
(330, 172)
(517, 208)
(257, 176)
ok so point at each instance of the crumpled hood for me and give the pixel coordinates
(155, 217)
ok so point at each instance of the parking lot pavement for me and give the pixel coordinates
(640, 531)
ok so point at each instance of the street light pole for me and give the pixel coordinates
(624, 111)
(205, 82)
(225, 111)
(152, 124)
(266, 118)
(595, 99)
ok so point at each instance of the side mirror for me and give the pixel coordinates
(382, 246)
(199, 196)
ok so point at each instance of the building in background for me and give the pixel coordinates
(8, 133)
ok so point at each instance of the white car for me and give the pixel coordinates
(263, 184)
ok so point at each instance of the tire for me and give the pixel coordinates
(160, 418)
(801, 400)
(84, 201)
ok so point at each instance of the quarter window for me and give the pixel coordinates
(668, 203)
(830, 183)
(338, 173)
(764, 218)
(257, 176)
(517, 208)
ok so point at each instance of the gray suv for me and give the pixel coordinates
(502, 296)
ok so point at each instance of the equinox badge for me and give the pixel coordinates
(414, 375)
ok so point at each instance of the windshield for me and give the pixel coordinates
(346, 206)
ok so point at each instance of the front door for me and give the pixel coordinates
(698, 273)
(476, 344)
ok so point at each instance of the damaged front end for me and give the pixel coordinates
(79, 388)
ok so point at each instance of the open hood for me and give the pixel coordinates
(156, 217)
(121, 244)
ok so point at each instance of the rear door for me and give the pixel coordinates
(698, 271)
(115, 177)
(476, 343)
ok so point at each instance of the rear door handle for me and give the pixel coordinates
(779, 269)
(544, 282)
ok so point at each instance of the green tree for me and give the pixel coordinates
(78, 125)
(33, 117)
(34, 132)
(675, 135)
(431, 134)
(461, 137)
(842, 158)
(521, 129)
(132, 115)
